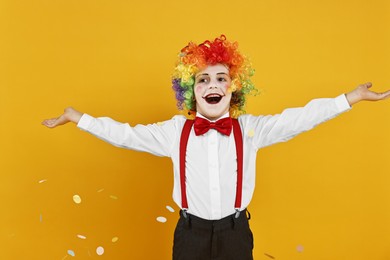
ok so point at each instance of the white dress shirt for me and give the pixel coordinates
(211, 170)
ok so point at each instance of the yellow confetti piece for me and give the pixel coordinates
(81, 237)
(160, 123)
(113, 197)
(42, 181)
(114, 239)
(100, 190)
(251, 133)
(77, 199)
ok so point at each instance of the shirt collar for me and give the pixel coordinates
(223, 116)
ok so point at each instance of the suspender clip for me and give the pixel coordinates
(184, 212)
(237, 213)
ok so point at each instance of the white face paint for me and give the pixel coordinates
(211, 91)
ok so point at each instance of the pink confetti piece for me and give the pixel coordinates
(300, 248)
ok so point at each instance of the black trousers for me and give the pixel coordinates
(229, 238)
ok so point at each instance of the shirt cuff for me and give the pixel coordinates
(342, 103)
(85, 121)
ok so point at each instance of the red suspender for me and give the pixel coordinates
(183, 149)
(240, 153)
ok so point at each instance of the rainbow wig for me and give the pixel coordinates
(193, 58)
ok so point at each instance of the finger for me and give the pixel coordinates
(49, 122)
(385, 94)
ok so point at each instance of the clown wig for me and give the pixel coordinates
(193, 58)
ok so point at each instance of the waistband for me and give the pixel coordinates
(226, 222)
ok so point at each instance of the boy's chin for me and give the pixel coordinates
(213, 112)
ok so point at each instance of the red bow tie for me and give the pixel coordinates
(224, 125)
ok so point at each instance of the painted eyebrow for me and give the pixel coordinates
(206, 74)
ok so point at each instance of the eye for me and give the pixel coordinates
(222, 79)
(202, 80)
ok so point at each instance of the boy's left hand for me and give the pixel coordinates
(362, 92)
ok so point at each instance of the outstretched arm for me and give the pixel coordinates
(70, 115)
(362, 92)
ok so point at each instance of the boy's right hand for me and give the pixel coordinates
(70, 115)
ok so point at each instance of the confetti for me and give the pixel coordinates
(100, 190)
(160, 123)
(77, 199)
(81, 237)
(251, 133)
(100, 250)
(170, 209)
(161, 219)
(114, 239)
(270, 256)
(71, 253)
(113, 197)
(40, 218)
(300, 248)
(42, 181)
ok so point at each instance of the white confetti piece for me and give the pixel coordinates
(77, 199)
(300, 248)
(161, 219)
(42, 181)
(71, 253)
(170, 209)
(81, 237)
(251, 133)
(100, 250)
(114, 239)
(113, 197)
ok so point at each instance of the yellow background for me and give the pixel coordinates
(322, 196)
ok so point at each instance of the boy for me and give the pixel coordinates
(214, 156)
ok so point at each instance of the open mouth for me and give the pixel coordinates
(213, 98)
